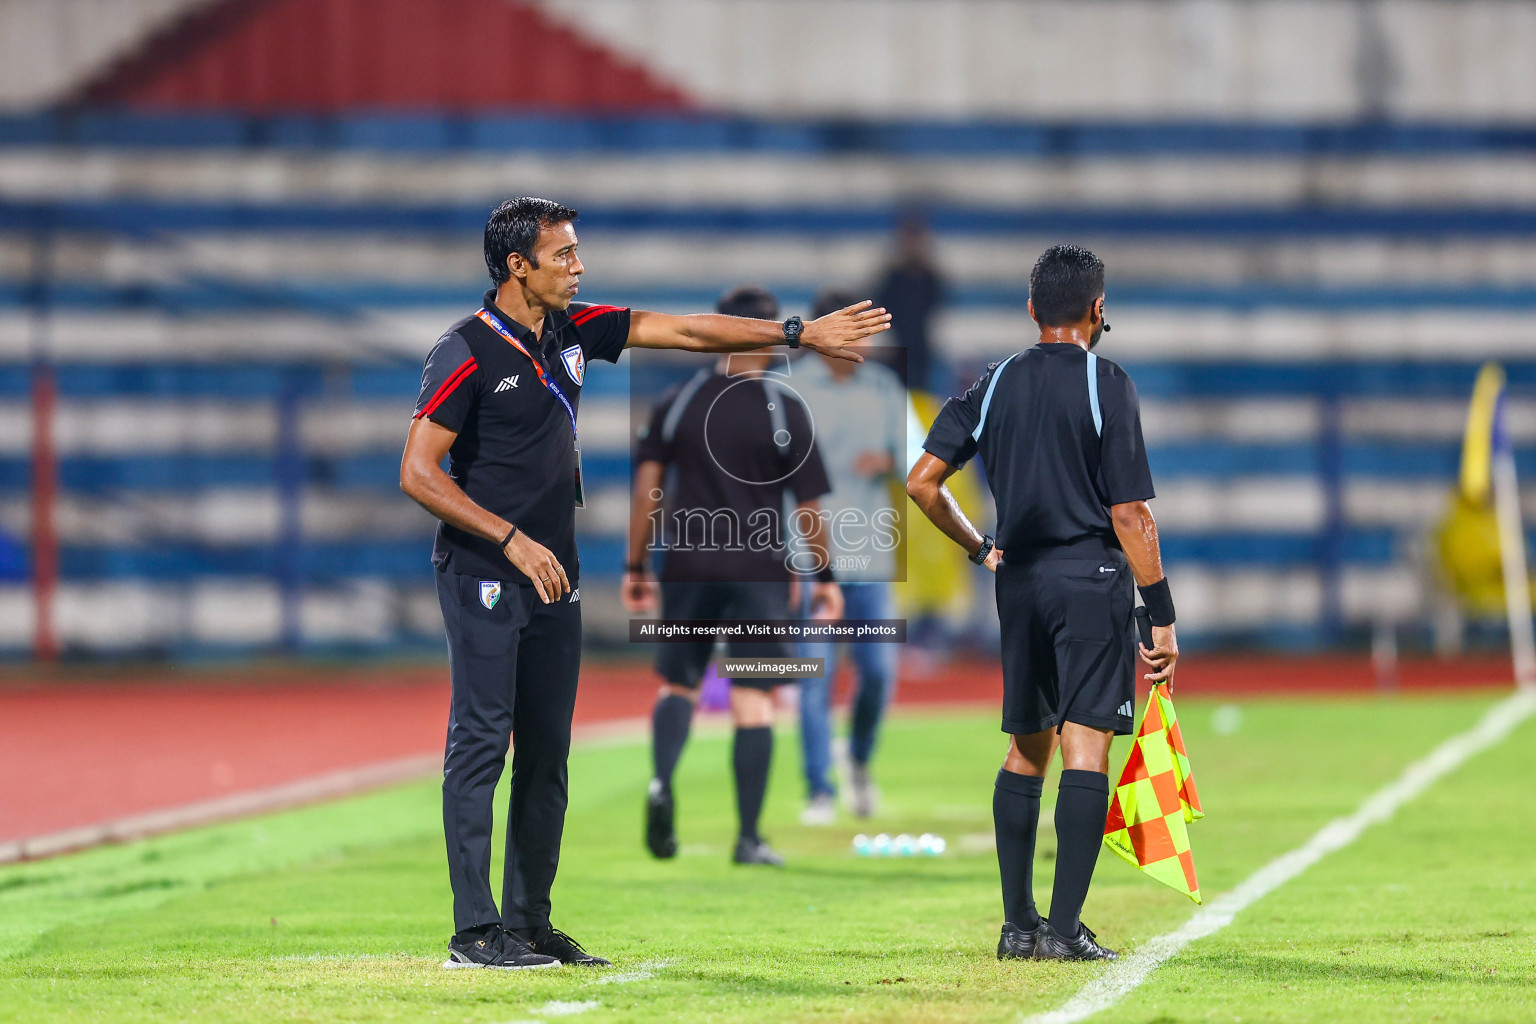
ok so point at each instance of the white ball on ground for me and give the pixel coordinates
(906, 846)
(882, 845)
(862, 845)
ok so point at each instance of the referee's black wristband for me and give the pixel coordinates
(507, 539)
(1159, 602)
(635, 568)
(825, 575)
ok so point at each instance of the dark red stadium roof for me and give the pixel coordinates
(332, 56)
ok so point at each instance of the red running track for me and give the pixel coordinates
(75, 753)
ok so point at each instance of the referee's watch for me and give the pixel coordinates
(793, 328)
(980, 557)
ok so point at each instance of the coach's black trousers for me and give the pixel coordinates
(513, 666)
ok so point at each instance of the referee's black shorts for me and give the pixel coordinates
(1069, 647)
(683, 664)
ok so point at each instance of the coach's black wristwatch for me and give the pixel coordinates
(793, 328)
(980, 557)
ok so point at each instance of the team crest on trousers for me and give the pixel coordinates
(575, 363)
(490, 592)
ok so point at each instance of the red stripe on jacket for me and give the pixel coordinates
(454, 380)
(594, 311)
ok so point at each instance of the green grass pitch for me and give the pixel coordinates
(340, 912)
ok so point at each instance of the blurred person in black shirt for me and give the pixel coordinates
(912, 289)
(739, 445)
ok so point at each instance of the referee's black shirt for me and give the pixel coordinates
(1059, 434)
(515, 453)
(736, 447)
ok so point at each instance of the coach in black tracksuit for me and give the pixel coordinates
(499, 399)
(1059, 433)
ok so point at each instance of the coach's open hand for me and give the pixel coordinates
(1162, 655)
(832, 334)
(539, 564)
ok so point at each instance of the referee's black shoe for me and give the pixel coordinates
(1051, 946)
(551, 941)
(755, 851)
(1017, 943)
(660, 839)
(494, 947)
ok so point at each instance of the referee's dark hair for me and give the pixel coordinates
(514, 228)
(749, 300)
(830, 300)
(1064, 284)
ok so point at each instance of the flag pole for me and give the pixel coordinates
(1517, 589)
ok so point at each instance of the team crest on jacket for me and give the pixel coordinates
(490, 592)
(575, 363)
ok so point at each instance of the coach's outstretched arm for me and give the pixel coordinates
(1137, 531)
(713, 332)
(925, 486)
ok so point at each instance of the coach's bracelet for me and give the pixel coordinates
(507, 539)
(635, 568)
(1159, 602)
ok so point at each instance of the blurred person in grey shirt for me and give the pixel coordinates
(861, 422)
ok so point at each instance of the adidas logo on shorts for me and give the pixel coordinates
(1127, 710)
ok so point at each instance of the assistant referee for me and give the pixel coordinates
(1059, 433)
(499, 399)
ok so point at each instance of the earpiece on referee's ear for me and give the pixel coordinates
(1106, 325)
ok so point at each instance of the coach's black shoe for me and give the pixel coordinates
(659, 837)
(553, 942)
(1016, 943)
(494, 948)
(1051, 946)
(755, 851)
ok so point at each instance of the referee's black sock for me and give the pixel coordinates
(670, 721)
(750, 754)
(1016, 819)
(1081, 803)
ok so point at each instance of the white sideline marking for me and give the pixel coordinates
(641, 973)
(556, 1008)
(1120, 978)
(236, 805)
(347, 782)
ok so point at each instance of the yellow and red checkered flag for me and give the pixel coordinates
(1156, 799)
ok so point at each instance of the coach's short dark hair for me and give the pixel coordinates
(749, 300)
(1066, 281)
(514, 228)
(830, 300)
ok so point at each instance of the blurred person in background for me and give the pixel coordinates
(912, 289)
(861, 414)
(499, 396)
(739, 443)
(1059, 434)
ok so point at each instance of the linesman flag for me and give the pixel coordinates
(1156, 799)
